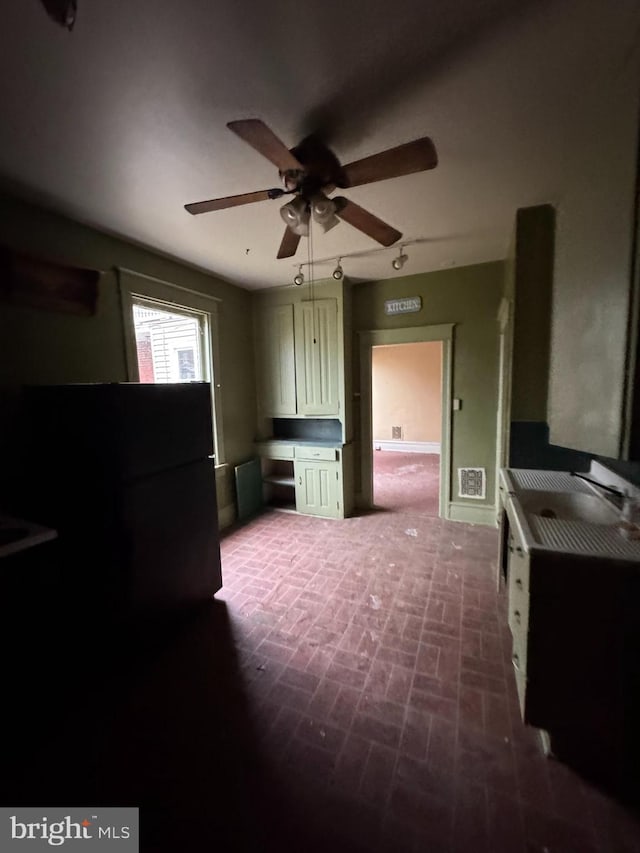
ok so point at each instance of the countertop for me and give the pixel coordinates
(306, 442)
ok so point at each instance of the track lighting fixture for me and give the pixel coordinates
(400, 261)
(298, 278)
(296, 214)
(337, 272)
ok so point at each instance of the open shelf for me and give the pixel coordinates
(279, 484)
(279, 480)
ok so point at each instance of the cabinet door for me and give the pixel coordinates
(277, 373)
(317, 488)
(317, 357)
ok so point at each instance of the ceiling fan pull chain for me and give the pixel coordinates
(313, 296)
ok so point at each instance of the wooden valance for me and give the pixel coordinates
(51, 286)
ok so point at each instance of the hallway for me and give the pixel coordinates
(406, 482)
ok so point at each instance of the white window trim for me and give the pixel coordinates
(135, 285)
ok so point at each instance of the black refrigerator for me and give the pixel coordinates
(125, 473)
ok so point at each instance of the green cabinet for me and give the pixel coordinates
(316, 353)
(276, 361)
(298, 364)
(311, 479)
(318, 488)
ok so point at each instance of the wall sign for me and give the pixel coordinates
(408, 305)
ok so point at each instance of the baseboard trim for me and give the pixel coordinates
(408, 446)
(226, 516)
(473, 514)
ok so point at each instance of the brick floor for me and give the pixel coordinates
(349, 691)
(375, 657)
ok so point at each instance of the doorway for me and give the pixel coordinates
(406, 418)
(368, 341)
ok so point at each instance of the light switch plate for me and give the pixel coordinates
(457, 404)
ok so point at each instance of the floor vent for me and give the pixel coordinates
(472, 483)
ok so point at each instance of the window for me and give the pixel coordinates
(172, 336)
(186, 364)
(169, 345)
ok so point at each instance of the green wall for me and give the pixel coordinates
(534, 245)
(39, 346)
(469, 297)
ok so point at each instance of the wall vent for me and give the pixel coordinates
(396, 432)
(472, 483)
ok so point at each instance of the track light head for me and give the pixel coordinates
(338, 272)
(400, 261)
(298, 277)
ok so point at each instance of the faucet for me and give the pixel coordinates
(622, 498)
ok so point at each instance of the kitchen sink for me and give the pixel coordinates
(569, 506)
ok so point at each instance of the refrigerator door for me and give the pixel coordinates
(122, 430)
(169, 540)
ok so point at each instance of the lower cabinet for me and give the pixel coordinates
(307, 479)
(318, 489)
(575, 646)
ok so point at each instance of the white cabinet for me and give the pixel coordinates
(518, 580)
(575, 641)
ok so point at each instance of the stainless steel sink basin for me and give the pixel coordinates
(569, 506)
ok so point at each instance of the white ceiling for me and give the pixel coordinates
(122, 121)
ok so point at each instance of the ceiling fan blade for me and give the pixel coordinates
(289, 244)
(416, 156)
(366, 222)
(232, 201)
(263, 139)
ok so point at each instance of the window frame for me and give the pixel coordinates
(135, 288)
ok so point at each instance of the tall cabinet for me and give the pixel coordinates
(276, 363)
(303, 353)
(303, 359)
(316, 351)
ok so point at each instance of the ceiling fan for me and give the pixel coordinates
(311, 172)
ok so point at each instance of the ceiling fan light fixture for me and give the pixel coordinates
(400, 261)
(63, 12)
(296, 216)
(299, 277)
(323, 210)
(338, 272)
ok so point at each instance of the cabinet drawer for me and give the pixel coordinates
(324, 454)
(275, 450)
(519, 651)
(518, 611)
(518, 572)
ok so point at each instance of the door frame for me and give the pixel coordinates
(409, 335)
(505, 341)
